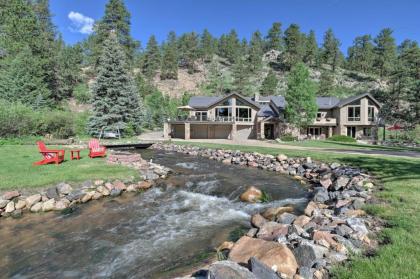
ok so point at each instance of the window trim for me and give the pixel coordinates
(353, 118)
(373, 113)
(243, 119)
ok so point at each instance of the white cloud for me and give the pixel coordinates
(81, 23)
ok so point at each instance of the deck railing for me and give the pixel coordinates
(204, 118)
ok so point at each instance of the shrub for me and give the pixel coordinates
(341, 138)
(80, 123)
(288, 137)
(60, 124)
(17, 120)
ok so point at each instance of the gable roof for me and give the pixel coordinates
(327, 102)
(208, 101)
(348, 100)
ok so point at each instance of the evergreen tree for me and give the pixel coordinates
(115, 100)
(189, 51)
(229, 46)
(294, 46)
(152, 58)
(360, 55)
(217, 83)
(273, 39)
(169, 68)
(326, 84)
(241, 76)
(116, 19)
(311, 49)
(300, 97)
(385, 52)
(269, 84)
(331, 53)
(207, 46)
(21, 79)
(255, 52)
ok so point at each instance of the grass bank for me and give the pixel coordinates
(399, 206)
(17, 172)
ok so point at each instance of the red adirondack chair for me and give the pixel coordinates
(96, 150)
(50, 155)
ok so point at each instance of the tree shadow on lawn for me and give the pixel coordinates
(371, 146)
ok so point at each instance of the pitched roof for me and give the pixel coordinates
(208, 101)
(327, 102)
(267, 111)
(348, 100)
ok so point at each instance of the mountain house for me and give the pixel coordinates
(237, 117)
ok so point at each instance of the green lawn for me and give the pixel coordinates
(345, 145)
(400, 207)
(17, 172)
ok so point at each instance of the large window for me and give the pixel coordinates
(201, 115)
(243, 114)
(353, 113)
(227, 102)
(224, 113)
(371, 113)
(314, 131)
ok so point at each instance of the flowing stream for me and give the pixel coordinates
(156, 234)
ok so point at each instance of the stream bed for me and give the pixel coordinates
(156, 234)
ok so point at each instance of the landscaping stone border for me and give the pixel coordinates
(283, 245)
(63, 195)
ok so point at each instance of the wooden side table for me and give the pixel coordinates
(75, 154)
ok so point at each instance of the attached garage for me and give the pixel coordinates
(199, 131)
(222, 131)
(178, 131)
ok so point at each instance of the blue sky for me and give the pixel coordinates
(348, 19)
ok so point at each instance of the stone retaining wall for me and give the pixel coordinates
(283, 245)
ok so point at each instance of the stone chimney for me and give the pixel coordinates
(257, 97)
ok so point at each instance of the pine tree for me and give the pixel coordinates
(255, 52)
(115, 100)
(311, 49)
(360, 55)
(229, 46)
(241, 76)
(331, 53)
(189, 51)
(385, 52)
(294, 46)
(207, 46)
(21, 79)
(217, 82)
(152, 58)
(169, 68)
(273, 39)
(326, 84)
(269, 84)
(116, 19)
(300, 97)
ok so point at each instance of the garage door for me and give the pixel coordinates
(178, 131)
(222, 131)
(199, 132)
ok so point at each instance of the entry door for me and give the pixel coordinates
(269, 131)
(351, 131)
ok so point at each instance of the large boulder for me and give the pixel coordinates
(64, 188)
(3, 203)
(257, 220)
(272, 212)
(48, 205)
(10, 195)
(272, 230)
(10, 207)
(31, 200)
(286, 218)
(273, 254)
(228, 270)
(260, 270)
(252, 194)
(52, 193)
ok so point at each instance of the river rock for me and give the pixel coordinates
(341, 182)
(281, 157)
(120, 185)
(305, 255)
(109, 186)
(301, 221)
(260, 270)
(37, 207)
(17, 213)
(20, 204)
(61, 204)
(98, 182)
(10, 207)
(31, 200)
(252, 232)
(320, 195)
(257, 220)
(145, 185)
(48, 205)
(310, 208)
(286, 218)
(358, 226)
(87, 197)
(228, 270)
(3, 203)
(275, 255)
(10, 195)
(252, 194)
(52, 193)
(75, 195)
(272, 230)
(333, 166)
(324, 238)
(305, 272)
(103, 190)
(227, 161)
(64, 188)
(325, 182)
(132, 188)
(115, 192)
(96, 195)
(272, 212)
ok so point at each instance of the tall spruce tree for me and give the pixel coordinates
(273, 39)
(169, 68)
(311, 50)
(207, 46)
(331, 53)
(189, 51)
(255, 52)
(115, 100)
(360, 55)
(269, 84)
(152, 58)
(229, 46)
(241, 76)
(294, 47)
(116, 19)
(385, 52)
(300, 97)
